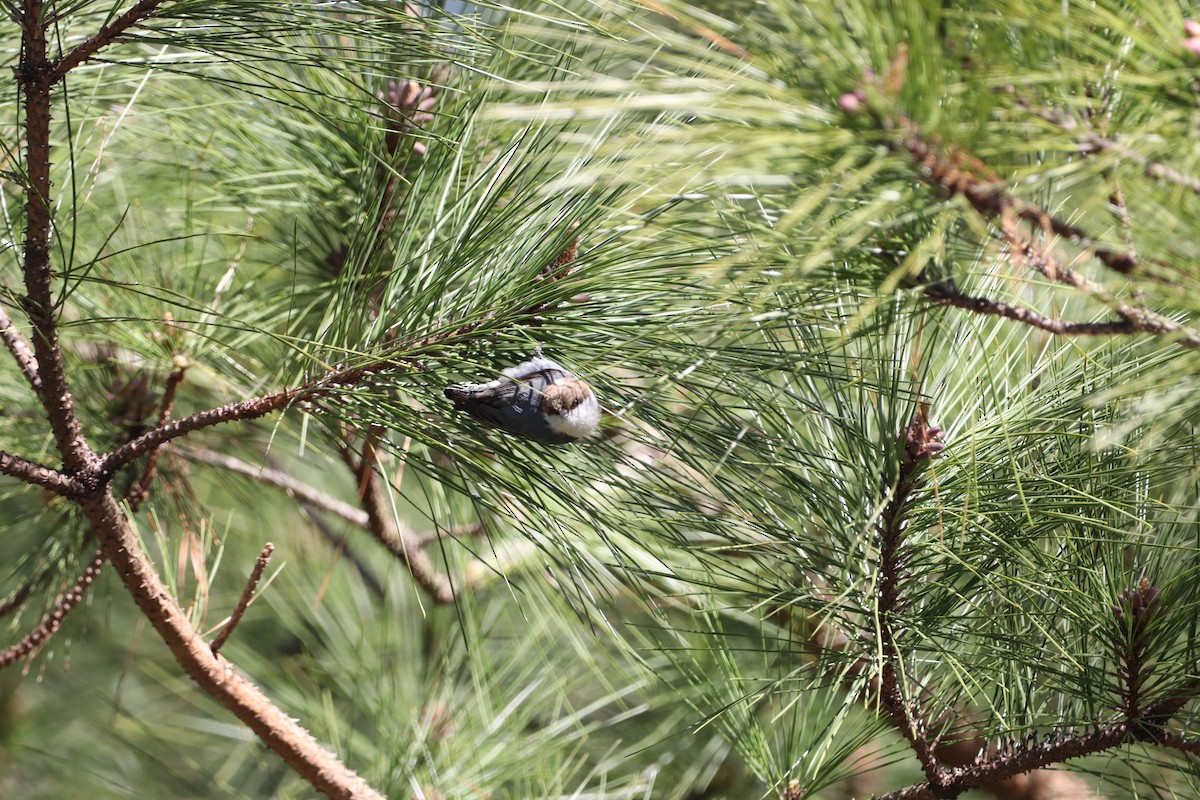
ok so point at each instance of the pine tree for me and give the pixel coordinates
(887, 306)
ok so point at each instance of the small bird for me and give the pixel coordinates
(539, 400)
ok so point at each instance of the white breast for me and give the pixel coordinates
(580, 421)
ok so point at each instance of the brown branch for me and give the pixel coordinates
(946, 294)
(19, 348)
(383, 526)
(920, 437)
(54, 620)
(35, 76)
(257, 407)
(1177, 741)
(989, 196)
(295, 489)
(139, 493)
(1095, 143)
(1140, 319)
(93, 44)
(16, 601)
(1043, 784)
(1134, 610)
(38, 474)
(215, 674)
(341, 545)
(457, 532)
(243, 603)
(1159, 713)
(1062, 747)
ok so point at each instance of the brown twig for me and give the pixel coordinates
(457, 532)
(54, 620)
(16, 601)
(990, 197)
(1157, 714)
(1179, 742)
(341, 545)
(254, 408)
(39, 475)
(1091, 142)
(921, 444)
(214, 674)
(19, 348)
(945, 293)
(139, 493)
(295, 489)
(1134, 610)
(243, 603)
(1026, 252)
(382, 525)
(106, 36)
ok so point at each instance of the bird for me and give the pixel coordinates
(539, 400)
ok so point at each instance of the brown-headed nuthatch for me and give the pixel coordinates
(539, 400)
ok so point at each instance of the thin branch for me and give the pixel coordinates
(1140, 319)
(39, 474)
(990, 197)
(946, 294)
(93, 44)
(295, 489)
(457, 532)
(16, 601)
(1134, 610)
(36, 77)
(921, 444)
(214, 674)
(19, 348)
(139, 493)
(257, 407)
(1180, 742)
(382, 525)
(341, 545)
(1095, 143)
(243, 603)
(54, 620)
(1044, 784)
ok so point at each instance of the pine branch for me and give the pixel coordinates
(19, 348)
(1038, 258)
(383, 526)
(945, 293)
(1092, 142)
(35, 74)
(1061, 748)
(341, 546)
(260, 565)
(1176, 741)
(139, 493)
(143, 10)
(39, 475)
(295, 489)
(921, 444)
(245, 410)
(1133, 612)
(987, 195)
(53, 621)
(212, 672)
